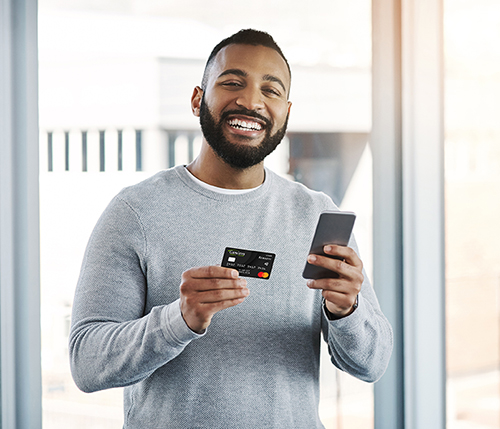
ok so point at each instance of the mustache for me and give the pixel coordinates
(246, 112)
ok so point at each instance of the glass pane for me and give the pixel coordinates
(115, 83)
(472, 175)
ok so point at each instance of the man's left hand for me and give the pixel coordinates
(339, 293)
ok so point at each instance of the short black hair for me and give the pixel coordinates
(244, 37)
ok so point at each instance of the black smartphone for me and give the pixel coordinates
(334, 227)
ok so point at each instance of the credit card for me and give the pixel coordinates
(249, 263)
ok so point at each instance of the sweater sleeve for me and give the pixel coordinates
(112, 343)
(361, 343)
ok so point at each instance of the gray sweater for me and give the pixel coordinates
(257, 364)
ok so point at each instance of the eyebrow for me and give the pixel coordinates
(271, 78)
(243, 73)
(237, 72)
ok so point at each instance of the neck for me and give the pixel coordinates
(209, 168)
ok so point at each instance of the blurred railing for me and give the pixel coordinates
(112, 150)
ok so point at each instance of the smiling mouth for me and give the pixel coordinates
(245, 125)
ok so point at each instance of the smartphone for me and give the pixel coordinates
(334, 227)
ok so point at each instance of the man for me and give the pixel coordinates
(197, 345)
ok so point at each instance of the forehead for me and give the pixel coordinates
(257, 61)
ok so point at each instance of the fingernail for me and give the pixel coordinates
(328, 248)
(309, 283)
(235, 274)
(311, 258)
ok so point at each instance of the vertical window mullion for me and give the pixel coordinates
(50, 152)
(138, 150)
(120, 150)
(102, 151)
(66, 150)
(172, 138)
(84, 151)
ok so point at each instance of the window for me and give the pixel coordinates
(125, 98)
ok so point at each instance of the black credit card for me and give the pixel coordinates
(249, 263)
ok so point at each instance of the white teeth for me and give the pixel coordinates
(254, 126)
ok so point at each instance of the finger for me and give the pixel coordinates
(217, 284)
(214, 307)
(212, 271)
(333, 264)
(346, 253)
(335, 285)
(196, 286)
(341, 285)
(199, 315)
(341, 300)
(341, 267)
(222, 295)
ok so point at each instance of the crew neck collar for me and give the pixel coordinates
(218, 189)
(186, 177)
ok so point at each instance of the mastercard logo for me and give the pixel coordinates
(263, 274)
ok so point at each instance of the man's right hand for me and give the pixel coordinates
(208, 290)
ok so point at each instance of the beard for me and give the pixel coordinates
(236, 155)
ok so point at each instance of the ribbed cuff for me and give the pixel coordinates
(174, 327)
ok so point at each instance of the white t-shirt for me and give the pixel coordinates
(217, 189)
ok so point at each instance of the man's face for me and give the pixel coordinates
(244, 108)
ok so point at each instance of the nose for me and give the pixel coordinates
(250, 98)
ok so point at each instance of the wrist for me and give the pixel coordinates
(332, 315)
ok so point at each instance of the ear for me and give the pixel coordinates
(289, 106)
(196, 101)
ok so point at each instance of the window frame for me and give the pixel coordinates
(408, 208)
(20, 345)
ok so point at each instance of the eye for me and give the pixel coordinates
(231, 84)
(272, 91)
